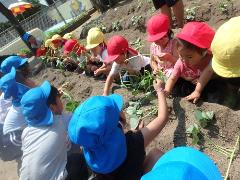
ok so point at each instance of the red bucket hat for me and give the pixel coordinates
(71, 45)
(116, 46)
(197, 33)
(157, 27)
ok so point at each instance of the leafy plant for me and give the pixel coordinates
(194, 132)
(162, 76)
(136, 20)
(135, 113)
(71, 104)
(116, 26)
(223, 5)
(137, 44)
(203, 117)
(191, 13)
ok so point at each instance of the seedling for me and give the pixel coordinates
(194, 132)
(191, 13)
(204, 118)
(223, 5)
(162, 76)
(137, 44)
(71, 104)
(116, 26)
(136, 20)
(135, 113)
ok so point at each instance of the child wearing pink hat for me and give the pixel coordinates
(123, 58)
(163, 49)
(190, 74)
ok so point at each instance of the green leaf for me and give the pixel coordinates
(198, 115)
(134, 121)
(210, 115)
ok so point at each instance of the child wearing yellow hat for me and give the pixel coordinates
(226, 52)
(97, 45)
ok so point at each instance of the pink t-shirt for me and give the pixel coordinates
(156, 50)
(189, 73)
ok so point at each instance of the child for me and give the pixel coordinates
(194, 56)
(97, 45)
(163, 49)
(71, 63)
(183, 163)
(109, 152)
(123, 57)
(34, 42)
(44, 140)
(225, 62)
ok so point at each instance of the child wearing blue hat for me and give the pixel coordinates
(184, 163)
(109, 152)
(44, 141)
(34, 42)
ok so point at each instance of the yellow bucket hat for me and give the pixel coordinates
(68, 36)
(226, 49)
(94, 38)
(48, 43)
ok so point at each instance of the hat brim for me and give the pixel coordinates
(118, 100)
(188, 157)
(91, 46)
(7, 83)
(111, 58)
(191, 40)
(24, 60)
(46, 88)
(153, 38)
(233, 72)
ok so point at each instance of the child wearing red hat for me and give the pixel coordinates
(123, 57)
(191, 69)
(163, 48)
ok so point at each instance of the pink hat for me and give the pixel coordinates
(116, 46)
(198, 33)
(157, 27)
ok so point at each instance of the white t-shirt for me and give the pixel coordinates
(14, 120)
(5, 105)
(45, 151)
(135, 64)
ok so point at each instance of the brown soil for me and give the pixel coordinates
(227, 125)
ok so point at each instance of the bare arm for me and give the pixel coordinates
(170, 84)
(203, 80)
(155, 127)
(108, 84)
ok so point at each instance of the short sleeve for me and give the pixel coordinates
(178, 68)
(116, 68)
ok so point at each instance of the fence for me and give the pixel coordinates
(46, 19)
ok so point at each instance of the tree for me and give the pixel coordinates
(8, 14)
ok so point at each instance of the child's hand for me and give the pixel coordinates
(194, 96)
(97, 72)
(165, 57)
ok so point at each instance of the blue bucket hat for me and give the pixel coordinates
(26, 36)
(11, 88)
(184, 163)
(12, 61)
(94, 125)
(34, 106)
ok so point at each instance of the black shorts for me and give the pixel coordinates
(76, 167)
(159, 3)
(132, 167)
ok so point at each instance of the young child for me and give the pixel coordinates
(163, 50)
(44, 141)
(70, 63)
(225, 63)
(109, 152)
(194, 42)
(97, 45)
(183, 163)
(123, 57)
(34, 42)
